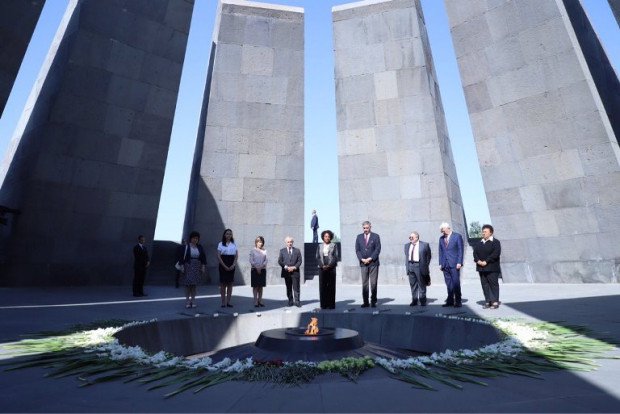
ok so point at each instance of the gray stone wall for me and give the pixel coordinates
(249, 169)
(87, 160)
(18, 19)
(395, 160)
(547, 150)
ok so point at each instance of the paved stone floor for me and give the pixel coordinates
(26, 311)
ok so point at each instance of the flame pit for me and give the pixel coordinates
(294, 340)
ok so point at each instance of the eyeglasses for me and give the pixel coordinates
(411, 237)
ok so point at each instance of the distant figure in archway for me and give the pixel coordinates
(314, 225)
(140, 263)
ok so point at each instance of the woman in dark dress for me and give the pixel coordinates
(194, 263)
(227, 256)
(327, 256)
(258, 262)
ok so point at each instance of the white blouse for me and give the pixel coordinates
(230, 249)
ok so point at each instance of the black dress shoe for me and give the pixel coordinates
(447, 305)
(290, 303)
(365, 305)
(422, 303)
(298, 304)
(373, 305)
(414, 303)
(228, 305)
(458, 305)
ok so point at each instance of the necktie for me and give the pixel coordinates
(366, 238)
(446, 240)
(412, 249)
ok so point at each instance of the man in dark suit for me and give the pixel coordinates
(140, 263)
(418, 259)
(290, 262)
(451, 249)
(367, 248)
(314, 225)
(486, 255)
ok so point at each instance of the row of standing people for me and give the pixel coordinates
(367, 246)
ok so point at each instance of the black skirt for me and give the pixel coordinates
(259, 278)
(227, 276)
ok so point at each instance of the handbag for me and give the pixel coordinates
(178, 265)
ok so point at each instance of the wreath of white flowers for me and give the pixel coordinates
(536, 346)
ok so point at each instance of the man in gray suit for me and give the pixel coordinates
(418, 258)
(290, 262)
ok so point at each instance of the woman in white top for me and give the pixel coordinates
(227, 256)
(258, 262)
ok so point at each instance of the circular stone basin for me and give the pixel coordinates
(293, 340)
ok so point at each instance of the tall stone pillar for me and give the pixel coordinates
(248, 174)
(546, 146)
(18, 19)
(395, 161)
(86, 163)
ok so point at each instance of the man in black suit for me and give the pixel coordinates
(290, 262)
(418, 259)
(140, 263)
(367, 248)
(486, 255)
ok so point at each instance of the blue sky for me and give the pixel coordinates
(320, 112)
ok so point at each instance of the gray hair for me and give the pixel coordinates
(366, 222)
(287, 238)
(416, 234)
(444, 225)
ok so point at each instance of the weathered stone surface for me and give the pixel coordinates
(86, 163)
(395, 163)
(542, 100)
(249, 170)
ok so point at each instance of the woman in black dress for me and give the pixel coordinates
(227, 256)
(327, 256)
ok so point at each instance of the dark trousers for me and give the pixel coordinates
(315, 236)
(490, 286)
(292, 287)
(453, 282)
(370, 274)
(139, 273)
(327, 288)
(416, 282)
